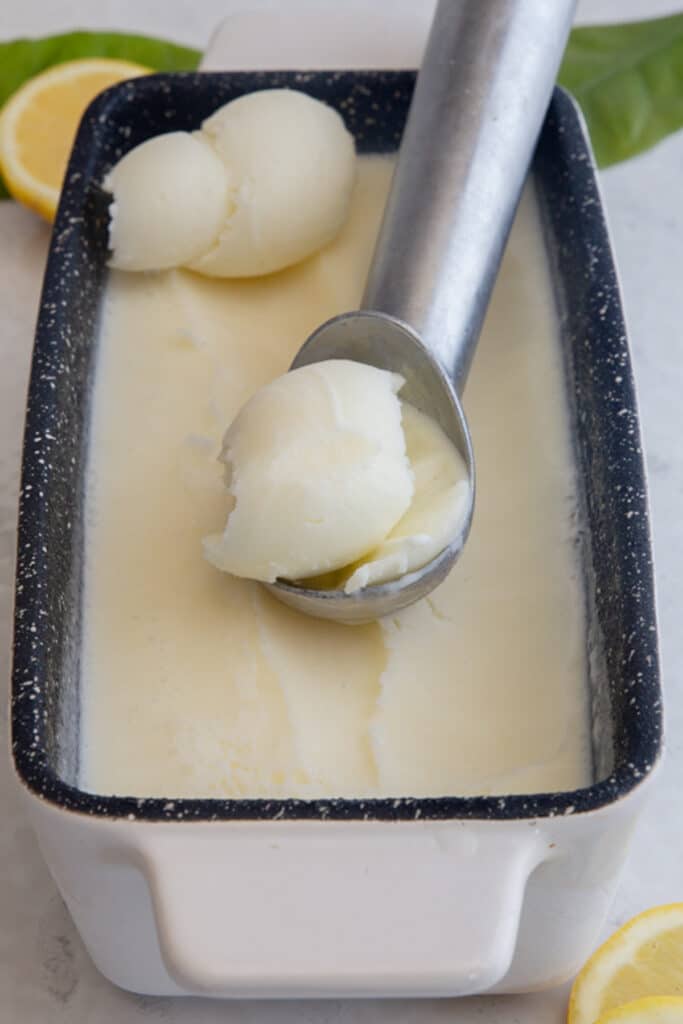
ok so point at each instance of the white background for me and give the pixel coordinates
(45, 974)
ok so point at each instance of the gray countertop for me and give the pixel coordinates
(45, 975)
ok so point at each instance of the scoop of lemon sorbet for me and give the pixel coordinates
(263, 184)
(170, 202)
(321, 475)
(292, 164)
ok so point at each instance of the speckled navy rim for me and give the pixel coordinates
(615, 541)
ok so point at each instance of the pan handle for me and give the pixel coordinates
(311, 909)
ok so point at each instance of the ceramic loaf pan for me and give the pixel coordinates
(444, 896)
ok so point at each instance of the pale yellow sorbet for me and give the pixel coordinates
(317, 470)
(199, 684)
(327, 471)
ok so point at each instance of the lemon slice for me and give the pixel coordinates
(39, 122)
(655, 1010)
(644, 958)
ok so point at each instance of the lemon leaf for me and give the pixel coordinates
(628, 81)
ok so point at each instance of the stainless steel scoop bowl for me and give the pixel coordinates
(479, 102)
(389, 343)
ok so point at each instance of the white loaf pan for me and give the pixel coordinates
(260, 898)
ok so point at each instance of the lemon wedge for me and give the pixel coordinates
(655, 1010)
(642, 959)
(38, 125)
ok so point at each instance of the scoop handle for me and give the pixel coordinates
(479, 102)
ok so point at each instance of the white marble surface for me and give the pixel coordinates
(45, 974)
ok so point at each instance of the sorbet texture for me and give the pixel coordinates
(321, 468)
(317, 469)
(263, 184)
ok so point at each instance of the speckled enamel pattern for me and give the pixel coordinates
(613, 527)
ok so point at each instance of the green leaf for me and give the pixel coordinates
(628, 80)
(21, 59)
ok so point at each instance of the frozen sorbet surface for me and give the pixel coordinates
(198, 683)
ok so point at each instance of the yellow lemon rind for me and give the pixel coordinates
(651, 1010)
(21, 183)
(617, 952)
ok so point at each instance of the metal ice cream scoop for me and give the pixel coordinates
(479, 102)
